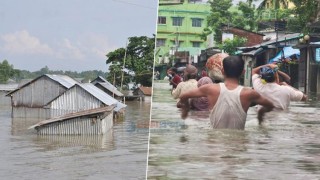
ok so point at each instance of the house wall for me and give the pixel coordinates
(252, 38)
(74, 100)
(185, 34)
(28, 113)
(37, 94)
(78, 126)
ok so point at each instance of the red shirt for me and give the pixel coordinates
(176, 80)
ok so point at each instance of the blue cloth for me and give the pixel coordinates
(286, 53)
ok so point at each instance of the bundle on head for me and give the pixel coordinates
(214, 66)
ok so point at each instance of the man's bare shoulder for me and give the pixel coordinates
(210, 89)
(249, 92)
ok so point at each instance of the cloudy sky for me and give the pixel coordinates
(70, 34)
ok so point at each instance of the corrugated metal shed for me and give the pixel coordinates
(98, 93)
(80, 97)
(108, 86)
(119, 106)
(65, 81)
(93, 121)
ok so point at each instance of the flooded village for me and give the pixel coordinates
(55, 114)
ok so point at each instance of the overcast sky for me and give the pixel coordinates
(70, 34)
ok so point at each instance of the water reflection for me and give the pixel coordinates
(285, 147)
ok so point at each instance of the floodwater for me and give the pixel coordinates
(287, 146)
(120, 154)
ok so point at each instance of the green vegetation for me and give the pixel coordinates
(230, 46)
(7, 71)
(305, 13)
(222, 13)
(137, 59)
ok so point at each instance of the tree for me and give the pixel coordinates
(138, 60)
(230, 45)
(305, 13)
(218, 16)
(7, 71)
(222, 14)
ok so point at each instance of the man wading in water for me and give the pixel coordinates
(228, 101)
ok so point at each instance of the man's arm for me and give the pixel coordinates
(257, 69)
(184, 99)
(265, 103)
(285, 76)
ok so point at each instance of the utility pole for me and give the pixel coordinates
(124, 62)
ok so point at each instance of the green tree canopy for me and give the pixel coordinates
(7, 71)
(138, 57)
(305, 13)
(243, 15)
(230, 45)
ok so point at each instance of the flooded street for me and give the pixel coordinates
(119, 154)
(287, 146)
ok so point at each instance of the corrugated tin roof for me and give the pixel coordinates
(98, 93)
(253, 52)
(286, 37)
(65, 81)
(111, 88)
(119, 106)
(102, 78)
(146, 90)
(8, 87)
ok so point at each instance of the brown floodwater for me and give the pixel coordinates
(287, 146)
(119, 154)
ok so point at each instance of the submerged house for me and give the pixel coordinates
(28, 100)
(4, 90)
(107, 87)
(82, 109)
(143, 93)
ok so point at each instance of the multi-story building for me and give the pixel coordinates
(180, 24)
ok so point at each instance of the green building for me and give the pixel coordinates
(180, 23)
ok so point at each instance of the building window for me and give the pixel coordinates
(161, 42)
(176, 43)
(196, 22)
(162, 20)
(177, 21)
(196, 44)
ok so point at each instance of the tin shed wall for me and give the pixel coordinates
(74, 100)
(35, 113)
(38, 93)
(78, 126)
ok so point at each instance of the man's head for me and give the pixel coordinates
(233, 66)
(190, 72)
(173, 71)
(268, 74)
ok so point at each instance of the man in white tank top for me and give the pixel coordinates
(228, 101)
